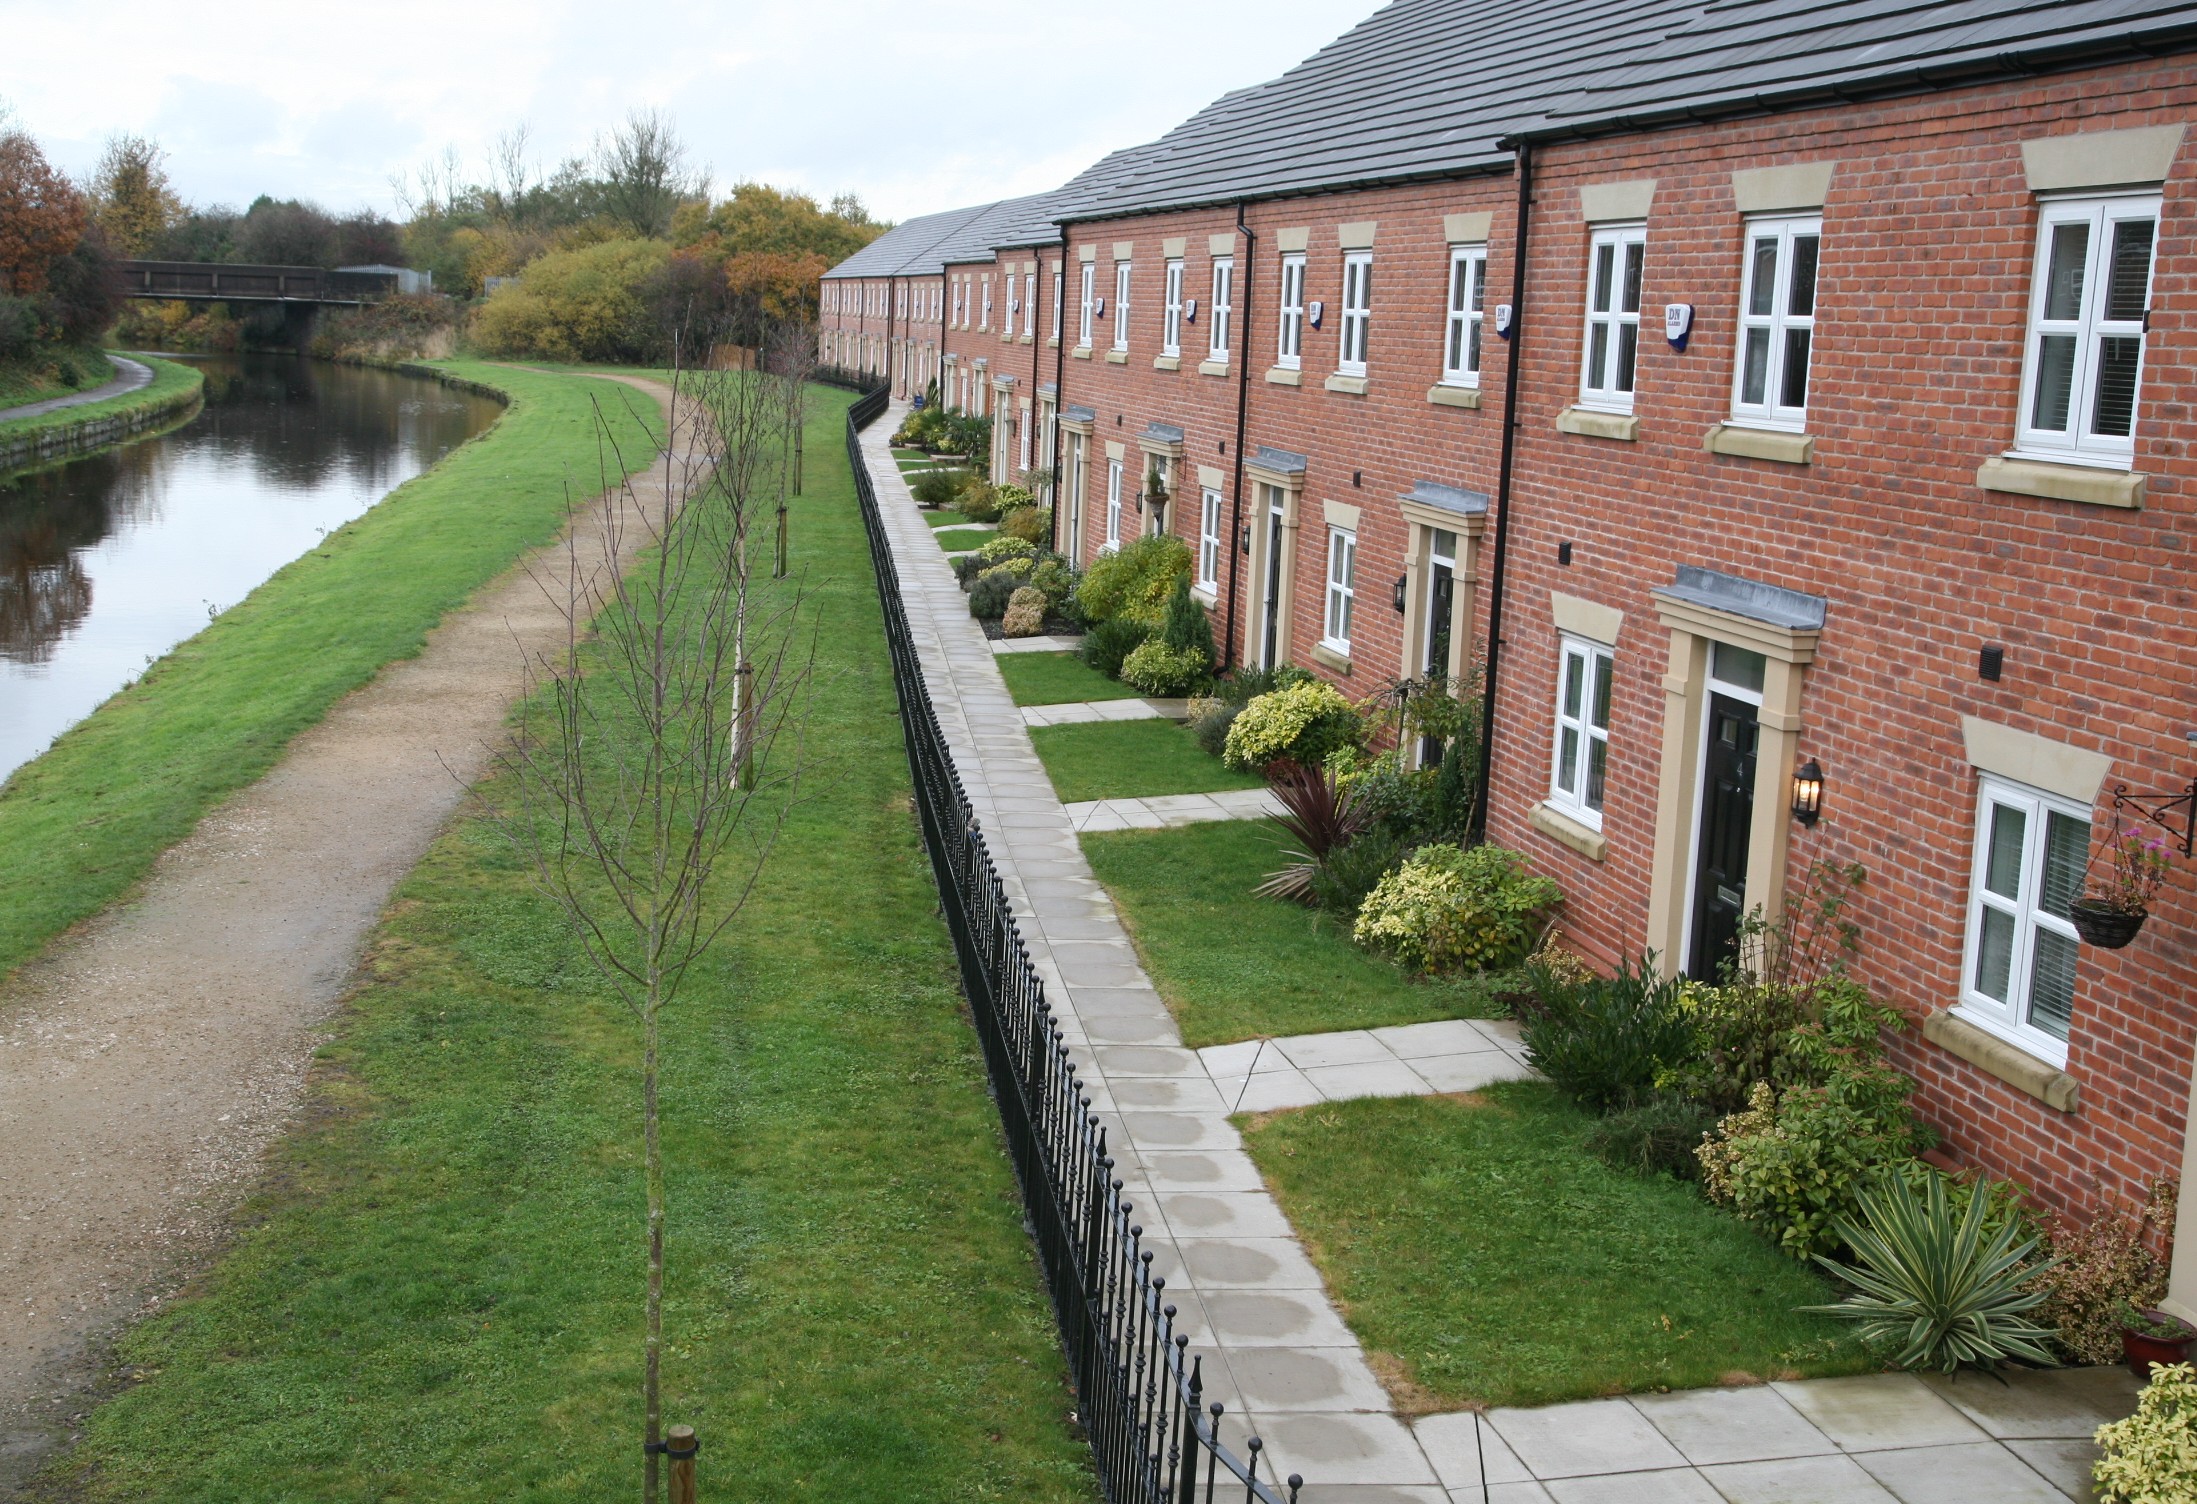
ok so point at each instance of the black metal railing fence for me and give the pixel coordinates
(1154, 1434)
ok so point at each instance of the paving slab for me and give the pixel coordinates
(1732, 1425)
(1973, 1470)
(2064, 1402)
(1834, 1479)
(1592, 1437)
(1871, 1412)
(1661, 1486)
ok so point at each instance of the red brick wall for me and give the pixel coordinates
(1929, 233)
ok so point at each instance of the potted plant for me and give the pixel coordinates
(2153, 1337)
(2112, 911)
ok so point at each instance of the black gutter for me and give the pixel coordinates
(1241, 354)
(1498, 568)
(1060, 387)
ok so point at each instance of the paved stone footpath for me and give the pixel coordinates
(1166, 811)
(1084, 712)
(129, 376)
(1275, 1349)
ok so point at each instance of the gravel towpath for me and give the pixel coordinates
(147, 1061)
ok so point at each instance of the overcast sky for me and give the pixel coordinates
(916, 106)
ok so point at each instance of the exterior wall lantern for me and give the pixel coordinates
(1403, 582)
(1808, 792)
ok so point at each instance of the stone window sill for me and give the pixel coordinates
(1760, 444)
(1212, 368)
(1205, 595)
(2099, 488)
(2001, 1058)
(1353, 386)
(1117, 357)
(1594, 425)
(1327, 657)
(1167, 362)
(1565, 831)
(1081, 352)
(1025, 339)
(1052, 344)
(1454, 396)
(1284, 376)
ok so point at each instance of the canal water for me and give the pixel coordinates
(109, 561)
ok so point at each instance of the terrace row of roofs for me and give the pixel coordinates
(1739, 386)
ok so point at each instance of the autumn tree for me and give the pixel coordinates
(42, 216)
(644, 173)
(131, 198)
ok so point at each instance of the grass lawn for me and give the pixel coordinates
(1482, 1256)
(437, 1295)
(171, 380)
(961, 540)
(58, 371)
(1234, 966)
(946, 517)
(83, 822)
(1131, 759)
(1057, 679)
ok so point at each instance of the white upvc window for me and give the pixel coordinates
(956, 319)
(1121, 305)
(1614, 258)
(1342, 593)
(987, 302)
(2019, 974)
(1171, 320)
(1581, 753)
(1221, 317)
(1777, 321)
(1029, 304)
(1289, 345)
(1209, 538)
(1007, 307)
(1113, 504)
(1090, 277)
(2088, 308)
(1357, 311)
(1058, 288)
(1468, 302)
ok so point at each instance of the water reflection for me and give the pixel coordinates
(109, 561)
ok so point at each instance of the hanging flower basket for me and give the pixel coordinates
(2103, 925)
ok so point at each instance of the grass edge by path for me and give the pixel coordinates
(82, 823)
(174, 386)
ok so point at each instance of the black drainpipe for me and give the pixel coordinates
(1241, 334)
(1497, 569)
(1060, 387)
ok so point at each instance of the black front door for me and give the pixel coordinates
(1727, 817)
(1439, 599)
(1272, 604)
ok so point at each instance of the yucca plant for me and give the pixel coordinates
(1936, 1280)
(1322, 814)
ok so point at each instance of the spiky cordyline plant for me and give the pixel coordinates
(1936, 1283)
(1322, 814)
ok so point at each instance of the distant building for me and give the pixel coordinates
(409, 282)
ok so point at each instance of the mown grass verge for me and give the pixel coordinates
(1483, 1256)
(1232, 965)
(962, 540)
(1057, 679)
(83, 822)
(173, 386)
(56, 371)
(1131, 760)
(437, 1295)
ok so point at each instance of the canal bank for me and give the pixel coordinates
(171, 395)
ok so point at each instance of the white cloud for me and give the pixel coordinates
(915, 106)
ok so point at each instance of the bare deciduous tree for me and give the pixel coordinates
(645, 173)
(657, 751)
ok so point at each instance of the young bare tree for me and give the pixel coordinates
(790, 357)
(657, 750)
(646, 173)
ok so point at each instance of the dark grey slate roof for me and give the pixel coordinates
(906, 250)
(1038, 222)
(974, 240)
(1755, 54)
(1752, 599)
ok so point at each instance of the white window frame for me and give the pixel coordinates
(1289, 336)
(1357, 312)
(1596, 661)
(1023, 418)
(2089, 329)
(1219, 322)
(1113, 506)
(1209, 538)
(1464, 331)
(1598, 388)
(1341, 596)
(1090, 281)
(1123, 271)
(1171, 320)
(1007, 309)
(1059, 288)
(2010, 1019)
(1776, 326)
(987, 302)
(1029, 305)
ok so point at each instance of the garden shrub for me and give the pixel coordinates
(965, 434)
(1210, 718)
(1793, 1164)
(582, 304)
(1006, 550)
(989, 596)
(1245, 684)
(1025, 613)
(939, 488)
(2106, 1265)
(1303, 722)
(1057, 578)
(966, 568)
(1741, 1034)
(1398, 800)
(1108, 642)
(1154, 668)
(1033, 525)
(1607, 1042)
(1448, 908)
(1186, 627)
(1135, 580)
(1658, 1137)
(1012, 497)
(1350, 874)
(2151, 1457)
(977, 499)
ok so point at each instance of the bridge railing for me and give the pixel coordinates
(210, 280)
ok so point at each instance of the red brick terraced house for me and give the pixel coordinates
(1790, 408)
